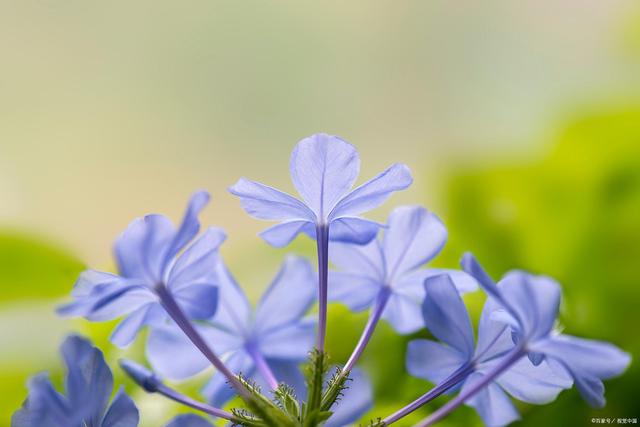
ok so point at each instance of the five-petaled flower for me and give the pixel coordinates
(323, 170)
(529, 305)
(88, 387)
(458, 363)
(389, 271)
(148, 255)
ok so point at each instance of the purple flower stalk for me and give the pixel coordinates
(505, 363)
(183, 322)
(152, 384)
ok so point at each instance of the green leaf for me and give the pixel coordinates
(31, 268)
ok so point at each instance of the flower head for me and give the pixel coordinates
(88, 387)
(456, 356)
(277, 332)
(529, 305)
(323, 170)
(413, 237)
(150, 253)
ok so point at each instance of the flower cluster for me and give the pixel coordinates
(273, 356)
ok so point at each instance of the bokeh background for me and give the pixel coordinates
(520, 120)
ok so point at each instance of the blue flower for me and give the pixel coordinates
(458, 361)
(390, 269)
(88, 386)
(267, 342)
(529, 305)
(323, 170)
(151, 253)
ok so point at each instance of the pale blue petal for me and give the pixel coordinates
(128, 250)
(409, 287)
(188, 228)
(264, 202)
(535, 301)
(471, 265)
(463, 282)
(432, 361)
(160, 233)
(119, 302)
(290, 295)
(414, 237)
(292, 342)
(446, 316)
(533, 384)
(234, 310)
(374, 192)
(492, 403)
(353, 230)
(44, 406)
(218, 391)
(356, 401)
(588, 361)
(89, 380)
(197, 263)
(198, 301)
(122, 412)
(602, 359)
(364, 260)
(189, 420)
(323, 169)
(102, 296)
(355, 291)
(494, 337)
(173, 355)
(403, 313)
(128, 329)
(280, 235)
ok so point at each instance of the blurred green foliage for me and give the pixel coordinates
(31, 272)
(31, 269)
(574, 215)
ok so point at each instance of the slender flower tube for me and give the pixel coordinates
(262, 365)
(323, 271)
(152, 384)
(444, 386)
(175, 312)
(477, 386)
(374, 317)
